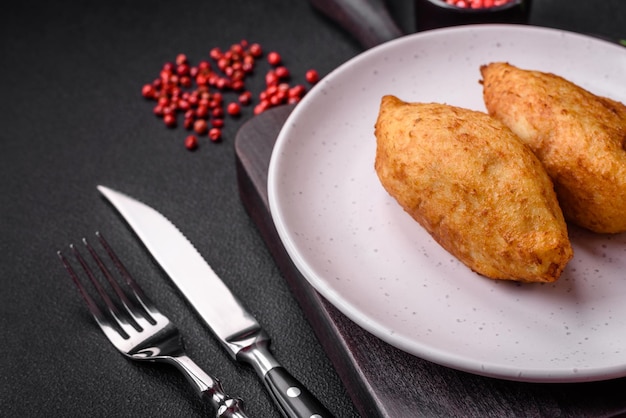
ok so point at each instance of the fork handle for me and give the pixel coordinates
(209, 388)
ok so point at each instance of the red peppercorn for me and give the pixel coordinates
(217, 123)
(212, 79)
(248, 59)
(255, 50)
(271, 78)
(312, 76)
(223, 63)
(215, 53)
(281, 95)
(202, 111)
(215, 134)
(185, 81)
(169, 111)
(237, 85)
(217, 97)
(163, 101)
(237, 49)
(158, 110)
(204, 102)
(200, 126)
(262, 107)
(282, 72)
(275, 100)
(148, 91)
(247, 67)
(245, 98)
(238, 73)
(181, 59)
(183, 105)
(169, 120)
(222, 83)
(182, 69)
(271, 90)
(188, 123)
(193, 100)
(217, 112)
(297, 91)
(274, 58)
(173, 80)
(233, 109)
(191, 142)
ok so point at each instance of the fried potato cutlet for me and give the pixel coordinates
(579, 137)
(476, 188)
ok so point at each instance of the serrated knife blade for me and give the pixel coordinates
(237, 330)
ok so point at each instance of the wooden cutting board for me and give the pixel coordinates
(381, 380)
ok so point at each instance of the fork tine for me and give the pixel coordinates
(93, 306)
(105, 324)
(141, 319)
(123, 325)
(140, 296)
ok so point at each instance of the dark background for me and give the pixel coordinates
(72, 117)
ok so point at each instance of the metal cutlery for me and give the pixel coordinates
(238, 331)
(138, 329)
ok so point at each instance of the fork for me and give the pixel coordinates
(139, 330)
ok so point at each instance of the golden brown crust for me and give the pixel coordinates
(579, 137)
(474, 187)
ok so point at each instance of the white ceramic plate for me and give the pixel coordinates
(363, 253)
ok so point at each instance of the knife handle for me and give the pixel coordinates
(367, 20)
(290, 396)
(294, 400)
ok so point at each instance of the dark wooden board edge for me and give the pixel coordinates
(253, 148)
(381, 380)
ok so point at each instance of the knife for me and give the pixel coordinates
(238, 331)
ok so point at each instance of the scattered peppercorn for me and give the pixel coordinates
(197, 91)
(312, 76)
(233, 109)
(215, 134)
(200, 126)
(170, 120)
(245, 98)
(148, 91)
(274, 58)
(256, 50)
(191, 142)
(282, 72)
